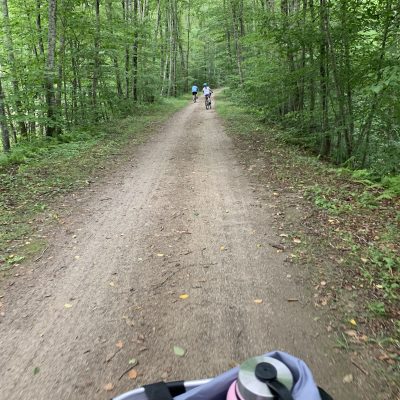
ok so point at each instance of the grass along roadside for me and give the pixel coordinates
(35, 175)
(340, 230)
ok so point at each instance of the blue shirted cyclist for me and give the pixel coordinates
(195, 90)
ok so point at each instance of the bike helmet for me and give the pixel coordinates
(205, 84)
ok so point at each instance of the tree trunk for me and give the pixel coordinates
(236, 39)
(125, 10)
(115, 57)
(13, 66)
(228, 36)
(50, 64)
(312, 65)
(135, 50)
(3, 123)
(74, 85)
(324, 91)
(366, 128)
(60, 79)
(342, 113)
(188, 46)
(347, 77)
(10, 123)
(96, 66)
(39, 27)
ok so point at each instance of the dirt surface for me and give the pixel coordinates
(183, 217)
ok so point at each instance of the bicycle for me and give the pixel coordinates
(208, 101)
(276, 370)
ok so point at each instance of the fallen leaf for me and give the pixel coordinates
(112, 284)
(67, 305)
(222, 248)
(179, 351)
(132, 374)
(284, 235)
(348, 378)
(351, 333)
(183, 296)
(120, 344)
(160, 255)
(133, 362)
(258, 301)
(36, 370)
(353, 322)
(296, 240)
(323, 283)
(109, 387)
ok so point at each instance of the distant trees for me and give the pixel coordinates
(67, 62)
(327, 69)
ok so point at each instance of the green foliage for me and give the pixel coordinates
(377, 308)
(363, 176)
(325, 198)
(283, 61)
(392, 187)
(105, 67)
(288, 59)
(386, 272)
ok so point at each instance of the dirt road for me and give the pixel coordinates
(183, 217)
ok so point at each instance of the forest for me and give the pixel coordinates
(124, 206)
(327, 71)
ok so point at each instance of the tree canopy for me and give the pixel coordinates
(327, 70)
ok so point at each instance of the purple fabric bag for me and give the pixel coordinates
(304, 386)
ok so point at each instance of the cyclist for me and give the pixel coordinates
(195, 89)
(207, 93)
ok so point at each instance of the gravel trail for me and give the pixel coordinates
(183, 217)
